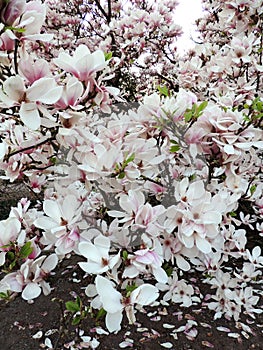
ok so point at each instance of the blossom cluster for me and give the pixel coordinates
(144, 192)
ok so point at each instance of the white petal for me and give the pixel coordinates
(31, 291)
(203, 245)
(69, 207)
(45, 223)
(110, 297)
(2, 258)
(41, 37)
(3, 149)
(144, 294)
(50, 263)
(91, 267)
(44, 90)
(211, 217)
(91, 252)
(66, 62)
(160, 275)
(91, 290)
(52, 209)
(103, 244)
(113, 321)
(29, 115)
(182, 263)
(14, 87)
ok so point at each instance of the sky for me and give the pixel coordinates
(186, 13)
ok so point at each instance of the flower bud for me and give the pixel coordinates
(11, 11)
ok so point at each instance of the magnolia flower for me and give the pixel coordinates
(83, 64)
(32, 69)
(9, 229)
(32, 21)
(177, 290)
(97, 254)
(60, 224)
(113, 302)
(141, 215)
(42, 91)
(71, 94)
(30, 278)
(145, 259)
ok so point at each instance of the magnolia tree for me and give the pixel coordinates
(144, 183)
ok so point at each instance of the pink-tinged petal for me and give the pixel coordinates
(144, 294)
(66, 62)
(110, 297)
(52, 209)
(74, 91)
(44, 90)
(81, 51)
(30, 116)
(11, 282)
(203, 245)
(12, 10)
(31, 291)
(33, 70)
(113, 321)
(50, 263)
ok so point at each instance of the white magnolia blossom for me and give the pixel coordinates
(114, 303)
(99, 260)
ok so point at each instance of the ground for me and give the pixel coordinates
(44, 323)
(20, 321)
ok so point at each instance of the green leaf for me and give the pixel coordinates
(232, 213)
(130, 159)
(174, 148)
(253, 189)
(76, 320)
(168, 269)
(163, 90)
(10, 255)
(125, 255)
(101, 314)
(4, 295)
(26, 250)
(72, 306)
(201, 107)
(131, 288)
(188, 116)
(12, 265)
(108, 56)
(18, 30)
(121, 175)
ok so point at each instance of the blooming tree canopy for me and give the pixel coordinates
(145, 164)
